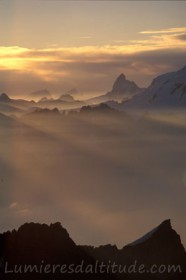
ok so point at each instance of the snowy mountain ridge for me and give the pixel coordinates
(166, 91)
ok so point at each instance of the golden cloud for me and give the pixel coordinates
(164, 31)
(15, 57)
(52, 64)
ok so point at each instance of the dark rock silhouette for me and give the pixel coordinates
(101, 108)
(123, 85)
(43, 112)
(4, 98)
(123, 88)
(161, 246)
(163, 241)
(38, 245)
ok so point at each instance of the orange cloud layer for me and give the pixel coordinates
(19, 58)
(89, 66)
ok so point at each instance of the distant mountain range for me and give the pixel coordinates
(167, 91)
(21, 106)
(37, 244)
(13, 106)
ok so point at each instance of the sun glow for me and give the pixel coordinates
(55, 63)
(20, 58)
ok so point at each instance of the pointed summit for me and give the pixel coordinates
(123, 88)
(165, 227)
(163, 236)
(162, 245)
(121, 77)
(165, 224)
(119, 83)
(4, 97)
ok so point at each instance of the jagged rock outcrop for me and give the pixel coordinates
(40, 244)
(123, 88)
(101, 108)
(161, 247)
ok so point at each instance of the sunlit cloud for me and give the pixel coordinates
(17, 57)
(88, 66)
(164, 31)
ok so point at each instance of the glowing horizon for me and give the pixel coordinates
(62, 45)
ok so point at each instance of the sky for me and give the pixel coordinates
(60, 45)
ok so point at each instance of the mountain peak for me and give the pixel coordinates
(122, 85)
(4, 97)
(166, 224)
(119, 82)
(121, 77)
(164, 227)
